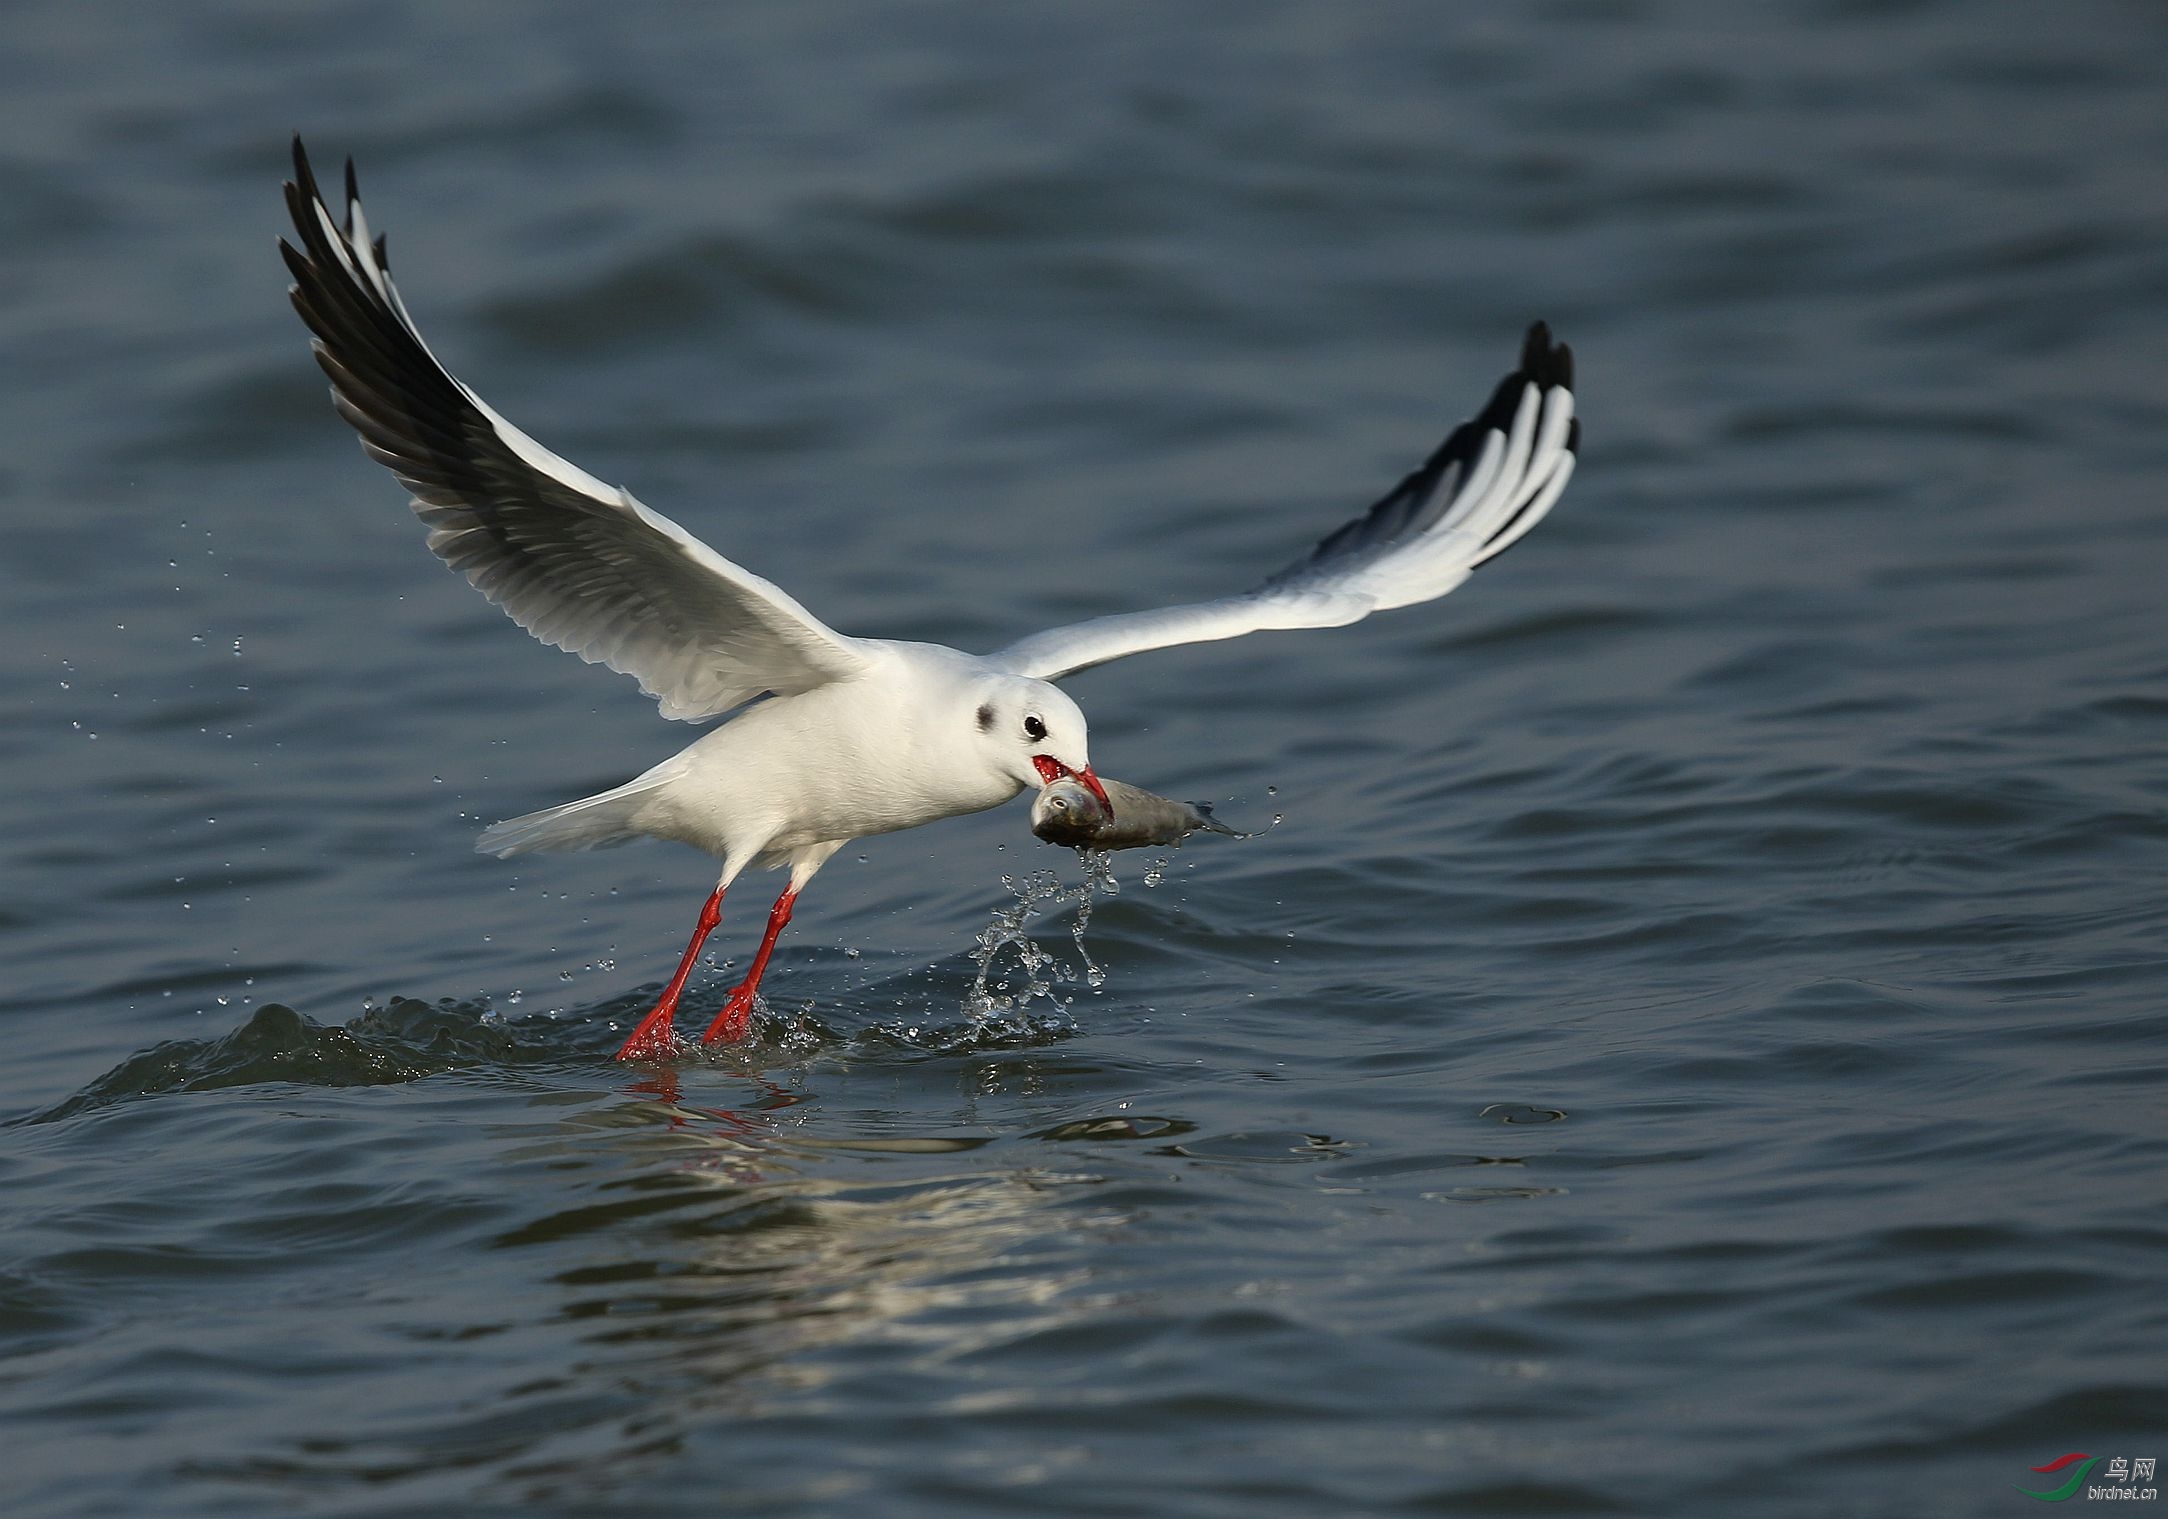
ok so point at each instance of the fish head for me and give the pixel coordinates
(1066, 811)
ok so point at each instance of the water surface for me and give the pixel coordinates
(1693, 1045)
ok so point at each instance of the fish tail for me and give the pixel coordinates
(1211, 824)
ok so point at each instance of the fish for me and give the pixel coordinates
(1066, 812)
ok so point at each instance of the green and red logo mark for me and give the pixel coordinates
(2068, 1489)
(2120, 1478)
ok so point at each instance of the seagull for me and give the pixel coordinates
(835, 737)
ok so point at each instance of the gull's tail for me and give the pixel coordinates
(592, 822)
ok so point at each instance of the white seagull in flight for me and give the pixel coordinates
(854, 736)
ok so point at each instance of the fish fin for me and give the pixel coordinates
(1211, 824)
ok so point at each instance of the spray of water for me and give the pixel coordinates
(1014, 969)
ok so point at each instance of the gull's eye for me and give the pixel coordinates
(1034, 728)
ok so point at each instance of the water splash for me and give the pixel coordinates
(1036, 971)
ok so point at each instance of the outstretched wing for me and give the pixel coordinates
(579, 564)
(1487, 484)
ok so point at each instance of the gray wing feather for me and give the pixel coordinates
(578, 563)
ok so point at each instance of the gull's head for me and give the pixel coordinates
(1033, 733)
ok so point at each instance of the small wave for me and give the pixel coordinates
(403, 1041)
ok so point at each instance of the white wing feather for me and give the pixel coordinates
(578, 563)
(1491, 481)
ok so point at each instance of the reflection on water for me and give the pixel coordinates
(707, 1254)
(663, 1264)
(1123, 1127)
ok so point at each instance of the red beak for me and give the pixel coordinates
(1051, 770)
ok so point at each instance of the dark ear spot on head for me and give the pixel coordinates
(986, 719)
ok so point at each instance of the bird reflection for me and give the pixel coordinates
(726, 1265)
(668, 1091)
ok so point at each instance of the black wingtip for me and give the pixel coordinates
(301, 190)
(1544, 362)
(1535, 346)
(1550, 365)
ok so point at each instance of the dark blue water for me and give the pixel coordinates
(1694, 1046)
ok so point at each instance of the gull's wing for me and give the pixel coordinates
(1487, 484)
(579, 564)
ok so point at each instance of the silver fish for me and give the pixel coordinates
(1065, 812)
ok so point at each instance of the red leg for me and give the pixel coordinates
(730, 1023)
(653, 1040)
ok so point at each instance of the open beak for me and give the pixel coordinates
(1051, 770)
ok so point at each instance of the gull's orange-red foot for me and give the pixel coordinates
(652, 1040)
(731, 1023)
